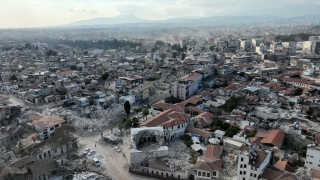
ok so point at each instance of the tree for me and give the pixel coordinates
(251, 134)
(127, 108)
(297, 92)
(211, 48)
(13, 77)
(183, 56)
(134, 121)
(172, 99)
(187, 140)
(174, 55)
(163, 56)
(51, 53)
(85, 53)
(137, 110)
(105, 76)
(73, 67)
(145, 112)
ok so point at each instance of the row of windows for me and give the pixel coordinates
(157, 173)
(203, 174)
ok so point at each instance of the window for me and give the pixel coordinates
(311, 156)
(244, 179)
(203, 174)
(240, 172)
(52, 128)
(245, 166)
(199, 173)
(179, 176)
(310, 162)
(254, 175)
(241, 166)
(241, 159)
(208, 174)
(40, 157)
(44, 155)
(244, 172)
(214, 173)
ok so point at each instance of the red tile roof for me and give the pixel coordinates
(283, 165)
(195, 109)
(200, 132)
(213, 152)
(163, 117)
(275, 138)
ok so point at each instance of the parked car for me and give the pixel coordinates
(117, 149)
(92, 152)
(96, 161)
(86, 151)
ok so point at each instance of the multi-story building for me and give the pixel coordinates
(121, 83)
(186, 86)
(252, 162)
(45, 126)
(312, 157)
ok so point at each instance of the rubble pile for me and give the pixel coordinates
(91, 118)
(178, 156)
(148, 146)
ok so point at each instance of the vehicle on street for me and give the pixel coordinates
(117, 149)
(92, 152)
(86, 151)
(96, 161)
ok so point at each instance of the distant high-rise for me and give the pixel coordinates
(183, 42)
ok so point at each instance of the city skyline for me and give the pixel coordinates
(35, 13)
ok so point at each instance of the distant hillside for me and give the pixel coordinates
(133, 21)
(122, 19)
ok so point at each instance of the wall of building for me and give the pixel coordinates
(136, 156)
(313, 158)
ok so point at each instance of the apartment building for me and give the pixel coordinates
(312, 157)
(186, 86)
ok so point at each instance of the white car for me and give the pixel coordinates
(117, 149)
(86, 151)
(92, 152)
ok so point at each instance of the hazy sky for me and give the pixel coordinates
(35, 13)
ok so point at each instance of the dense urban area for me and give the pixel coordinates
(238, 102)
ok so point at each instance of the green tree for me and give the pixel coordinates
(145, 112)
(127, 108)
(137, 110)
(302, 151)
(183, 56)
(187, 139)
(251, 134)
(85, 53)
(174, 55)
(225, 126)
(51, 53)
(297, 92)
(134, 121)
(13, 77)
(211, 48)
(172, 99)
(73, 67)
(163, 56)
(105, 76)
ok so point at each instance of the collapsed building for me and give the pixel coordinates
(150, 156)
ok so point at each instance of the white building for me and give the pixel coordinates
(312, 157)
(252, 163)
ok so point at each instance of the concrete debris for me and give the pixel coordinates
(94, 119)
(88, 176)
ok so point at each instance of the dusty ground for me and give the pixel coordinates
(113, 164)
